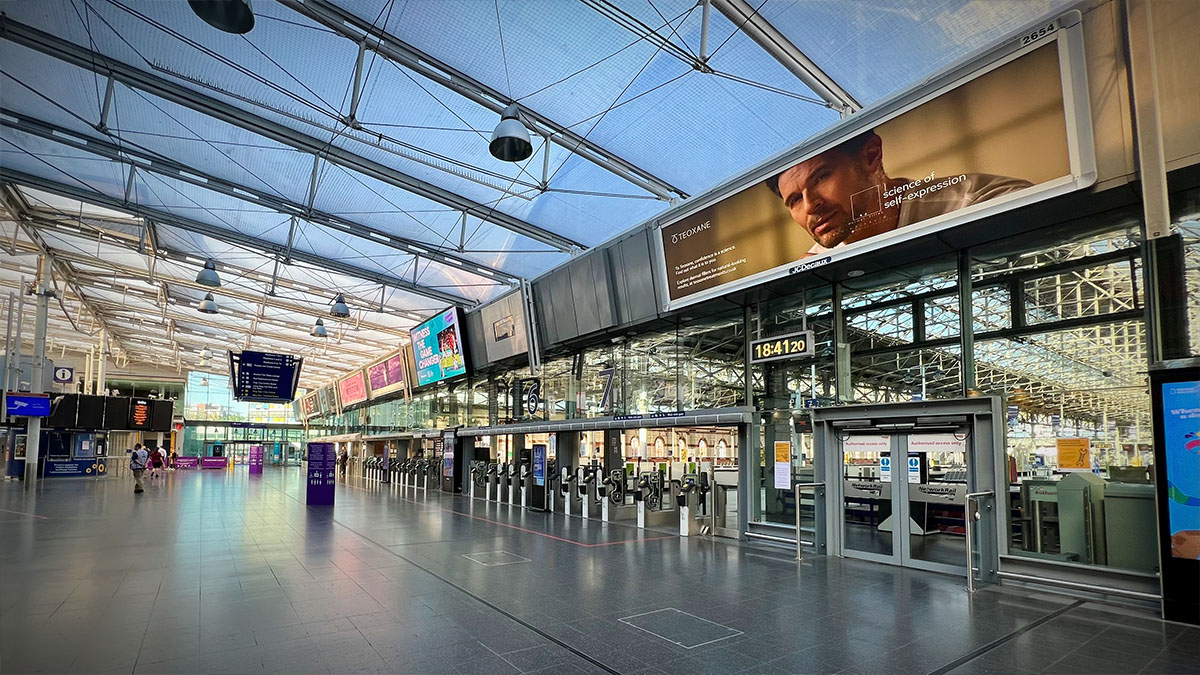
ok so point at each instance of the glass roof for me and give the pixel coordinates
(255, 150)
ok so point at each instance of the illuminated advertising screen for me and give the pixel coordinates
(438, 348)
(139, 414)
(310, 406)
(387, 375)
(1181, 436)
(1005, 134)
(353, 388)
(323, 403)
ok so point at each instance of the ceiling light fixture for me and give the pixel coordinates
(205, 354)
(208, 275)
(208, 305)
(510, 141)
(318, 330)
(230, 16)
(339, 309)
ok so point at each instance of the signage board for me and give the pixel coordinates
(1181, 433)
(1074, 454)
(352, 388)
(994, 135)
(386, 375)
(783, 465)
(531, 396)
(139, 414)
(322, 470)
(256, 459)
(182, 462)
(75, 468)
(782, 347)
(213, 462)
(504, 332)
(310, 405)
(438, 348)
(64, 375)
(27, 405)
(264, 377)
(539, 464)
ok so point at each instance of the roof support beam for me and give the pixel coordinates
(228, 236)
(396, 50)
(177, 170)
(81, 57)
(226, 291)
(749, 21)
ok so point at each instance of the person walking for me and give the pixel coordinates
(157, 460)
(137, 466)
(174, 456)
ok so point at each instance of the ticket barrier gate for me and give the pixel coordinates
(687, 501)
(615, 507)
(491, 482)
(566, 491)
(585, 482)
(525, 480)
(512, 484)
(552, 479)
(653, 500)
(478, 477)
(433, 478)
(373, 467)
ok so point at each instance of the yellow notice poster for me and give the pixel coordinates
(1074, 454)
(783, 465)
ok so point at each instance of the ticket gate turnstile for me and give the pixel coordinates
(687, 501)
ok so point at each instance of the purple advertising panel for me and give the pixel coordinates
(256, 458)
(187, 462)
(213, 462)
(322, 465)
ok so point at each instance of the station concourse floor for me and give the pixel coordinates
(221, 572)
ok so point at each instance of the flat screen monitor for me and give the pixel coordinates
(438, 348)
(139, 414)
(160, 415)
(116, 412)
(62, 411)
(91, 412)
(352, 388)
(264, 377)
(387, 375)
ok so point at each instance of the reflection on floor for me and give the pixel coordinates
(222, 572)
(938, 547)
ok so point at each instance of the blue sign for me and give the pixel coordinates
(64, 375)
(322, 471)
(75, 468)
(812, 403)
(1056, 422)
(1181, 435)
(438, 348)
(1013, 413)
(539, 464)
(28, 405)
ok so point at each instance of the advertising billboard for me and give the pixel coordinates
(353, 388)
(438, 348)
(310, 406)
(504, 329)
(1181, 434)
(386, 375)
(1003, 134)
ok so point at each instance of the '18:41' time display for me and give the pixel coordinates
(778, 347)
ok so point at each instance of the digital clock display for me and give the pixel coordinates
(779, 347)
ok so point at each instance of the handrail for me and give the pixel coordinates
(970, 515)
(796, 489)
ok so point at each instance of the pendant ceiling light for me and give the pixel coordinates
(230, 16)
(318, 330)
(208, 275)
(208, 305)
(339, 308)
(205, 354)
(510, 140)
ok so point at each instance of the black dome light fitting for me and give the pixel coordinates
(230, 16)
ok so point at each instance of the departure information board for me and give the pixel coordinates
(139, 413)
(264, 377)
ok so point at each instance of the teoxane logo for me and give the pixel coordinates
(706, 225)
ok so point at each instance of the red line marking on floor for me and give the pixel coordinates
(22, 513)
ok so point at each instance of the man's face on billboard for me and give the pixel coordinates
(818, 193)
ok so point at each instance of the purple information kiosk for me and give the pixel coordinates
(256, 458)
(322, 468)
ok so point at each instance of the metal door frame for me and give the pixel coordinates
(983, 417)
